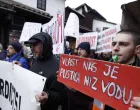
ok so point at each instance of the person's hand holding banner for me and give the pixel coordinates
(42, 98)
(17, 63)
(135, 103)
(109, 83)
(19, 87)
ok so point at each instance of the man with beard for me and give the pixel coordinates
(46, 64)
(15, 55)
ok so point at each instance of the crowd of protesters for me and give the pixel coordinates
(40, 59)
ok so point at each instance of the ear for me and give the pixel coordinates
(137, 49)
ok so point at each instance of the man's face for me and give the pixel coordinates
(123, 46)
(82, 52)
(10, 51)
(37, 49)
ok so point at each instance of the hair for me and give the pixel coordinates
(135, 35)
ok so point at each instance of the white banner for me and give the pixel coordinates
(18, 88)
(90, 37)
(55, 28)
(29, 29)
(105, 39)
(72, 26)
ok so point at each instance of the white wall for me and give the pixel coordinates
(31, 3)
(100, 24)
(52, 6)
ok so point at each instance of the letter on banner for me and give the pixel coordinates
(105, 39)
(29, 29)
(55, 29)
(93, 77)
(18, 87)
(90, 37)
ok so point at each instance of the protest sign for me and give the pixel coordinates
(72, 26)
(18, 87)
(113, 84)
(105, 39)
(55, 28)
(29, 29)
(90, 37)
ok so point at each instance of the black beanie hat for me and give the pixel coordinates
(17, 46)
(85, 46)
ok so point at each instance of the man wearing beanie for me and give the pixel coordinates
(84, 49)
(78, 100)
(15, 54)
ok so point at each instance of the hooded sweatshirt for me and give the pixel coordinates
(47, 65)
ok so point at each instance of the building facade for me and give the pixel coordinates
(14, 13)
(49, 6)
(93, 19)
(99, 25)
(89, 21)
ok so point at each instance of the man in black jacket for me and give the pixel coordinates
(126, 45)
(46, 64)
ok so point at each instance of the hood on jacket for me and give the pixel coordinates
(46, 40)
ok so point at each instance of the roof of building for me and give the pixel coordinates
(105, 21)
(74, 11)
(90, 9)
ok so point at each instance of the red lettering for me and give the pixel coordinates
(111, 32)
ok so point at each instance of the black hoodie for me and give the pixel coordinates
(47, 65)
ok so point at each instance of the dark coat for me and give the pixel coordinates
(79, 101)
(47, 66)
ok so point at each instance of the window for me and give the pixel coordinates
(104, 28)
(41, 4)
(98, 29)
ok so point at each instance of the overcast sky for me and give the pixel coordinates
(110, 9)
